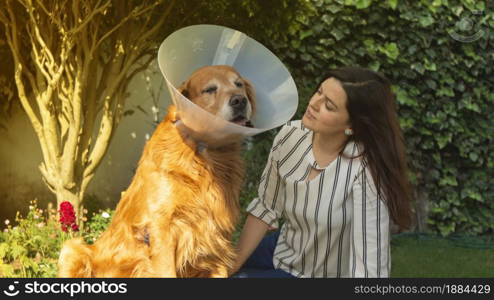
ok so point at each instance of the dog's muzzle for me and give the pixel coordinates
(238, 103)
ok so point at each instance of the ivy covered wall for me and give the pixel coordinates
(440, 57)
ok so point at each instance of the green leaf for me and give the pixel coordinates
(327, 19)
(406, 123)
(338, 34)
(306, 57)
(305, 34)
(437, 210)
(431, 66)
(334, 8)
(403, 97)
(480, 5)
(361, 4)
(443, 140)
(446, 229)
(431, 84)
(4, 248)
(448, 180)
(393, 3)
(418, 67)
(370, 46)
(445, 91)
(472, 194)
(375, 65)
(469, 51)
(295, 43)
(473, 156)
(426, 21)
(7, 270)
(437, 3)
(436, 157)
(17, 250)
(468, 104)
(391, 50)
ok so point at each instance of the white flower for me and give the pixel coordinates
(105, 215)
(7, 222)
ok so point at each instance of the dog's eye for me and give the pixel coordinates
(209, 90)
(239, 84)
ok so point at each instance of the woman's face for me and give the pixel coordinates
(326, 113)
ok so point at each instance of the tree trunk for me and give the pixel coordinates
(73, 61)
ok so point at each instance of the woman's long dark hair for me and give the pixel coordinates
(374, 121)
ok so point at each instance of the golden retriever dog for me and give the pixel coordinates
(177, 217)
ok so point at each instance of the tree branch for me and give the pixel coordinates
(94, 11)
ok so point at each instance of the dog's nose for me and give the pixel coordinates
(238, 101)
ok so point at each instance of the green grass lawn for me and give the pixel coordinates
(415, 256)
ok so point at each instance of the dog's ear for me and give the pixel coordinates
(251, 94)
(183, 89)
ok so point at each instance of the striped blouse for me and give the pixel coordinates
(334, 225)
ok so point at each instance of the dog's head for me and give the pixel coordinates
(221, 91)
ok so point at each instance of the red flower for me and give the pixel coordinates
(67, 217)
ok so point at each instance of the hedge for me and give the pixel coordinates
(444, 90)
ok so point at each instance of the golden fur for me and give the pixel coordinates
(179, 212)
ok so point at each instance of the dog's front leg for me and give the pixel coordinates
(163, 256)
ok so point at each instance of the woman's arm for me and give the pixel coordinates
(252, 233)
(263, 211)
(369, 242)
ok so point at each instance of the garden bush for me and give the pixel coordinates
(30, 245)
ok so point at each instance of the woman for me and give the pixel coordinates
(336, 178)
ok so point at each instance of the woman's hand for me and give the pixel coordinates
(252, 234)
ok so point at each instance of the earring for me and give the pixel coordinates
(348, 131)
